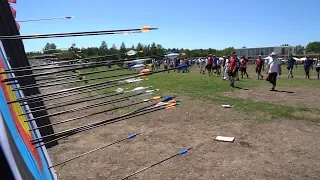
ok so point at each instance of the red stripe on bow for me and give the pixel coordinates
(14, 12)
(18, 25)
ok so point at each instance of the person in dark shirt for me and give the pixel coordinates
(209, 64)
(307, 65)
(290, 64)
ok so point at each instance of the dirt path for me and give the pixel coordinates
(297, 97)
(277, 150)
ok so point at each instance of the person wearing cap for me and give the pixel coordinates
(232, 68)
(273, 69)
(307, 65)
(290, 64)
(259, 67)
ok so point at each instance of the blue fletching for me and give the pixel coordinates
(168, 98)
(182, 151)
(132, 64)
(132, 136)
(182, 67)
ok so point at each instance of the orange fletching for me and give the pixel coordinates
(156, 98)
(145, 28)
(145, 71)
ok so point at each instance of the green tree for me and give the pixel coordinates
(299, 49)
(50, 48)
(153, 49)
(313, 47)
(103, 49)
(122, 50)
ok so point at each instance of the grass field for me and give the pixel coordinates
(212, 89)
(276, 132)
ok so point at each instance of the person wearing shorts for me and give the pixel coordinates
(259, 67)
(232, 69)
(290, 65)
(209, 64)
(243, 67)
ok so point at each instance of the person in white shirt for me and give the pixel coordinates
(226, 67)
(273, 69)
(202, 64)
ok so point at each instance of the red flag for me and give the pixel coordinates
(12, 1)
(14, 12)
(18, 25)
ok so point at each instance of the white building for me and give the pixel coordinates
(283, 51)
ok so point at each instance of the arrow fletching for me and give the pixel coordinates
(184, 150)
(145, 28)
(156, 98)
(133, 135)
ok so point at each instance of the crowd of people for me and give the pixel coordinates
(233, 68)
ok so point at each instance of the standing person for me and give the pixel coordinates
(273, 69)
(238, 64)
(243, 67)
(215, 65)
(218, 64)
(223, 64)
(317, 65)
(307, 65)
(209, 64)
(232, 68)
(165, 65)
(202, 64)
(259, 67)
(290, 65)
(226, 68)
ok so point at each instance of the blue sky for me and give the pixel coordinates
(182, 24)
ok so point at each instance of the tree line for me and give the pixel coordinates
(153, 49)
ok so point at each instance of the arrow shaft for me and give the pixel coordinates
(89, 152)
(87, 115)
(92, 125)
(71, 34)
(72, 102)
(148, 167)
(85, 107)
(43, 19)
(69, 82)
(82, 129)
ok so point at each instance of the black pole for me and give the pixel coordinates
(16, 52)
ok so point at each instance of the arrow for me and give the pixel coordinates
(131, 136)
(76, 101)
(91, 33)
(143, 72)
(181, 152)
(82, 66)
(32, 86)
(79, 100)
(66, 77)
(85, 107)
(92, 114)
(46, 19)
(118, 119)
(96, 124)
(75, 89)
(129, 53)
